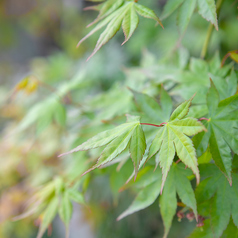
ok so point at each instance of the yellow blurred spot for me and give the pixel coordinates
(22, 84)
(31, 87)
(29, 84)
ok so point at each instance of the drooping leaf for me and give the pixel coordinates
(207, 9)
(185, 13)
(173, 137)
(176, 182)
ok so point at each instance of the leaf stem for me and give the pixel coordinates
(210, 30)
(203, 118)
(207, 40)
(148, 124)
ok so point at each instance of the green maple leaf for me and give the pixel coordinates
(117, 140)
(152, 111)
(148, 183)
(177, 181)
(114, 14)
(221, 133)
(223, 198)
(173, 137)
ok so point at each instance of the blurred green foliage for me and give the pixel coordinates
(51, 100)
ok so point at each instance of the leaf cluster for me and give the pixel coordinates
(116, 14)
(54, 197)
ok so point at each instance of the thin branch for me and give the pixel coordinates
(148, 124)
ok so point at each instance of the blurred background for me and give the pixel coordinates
(38, 41)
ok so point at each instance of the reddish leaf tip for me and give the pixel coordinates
(89, 170)
(63, 154)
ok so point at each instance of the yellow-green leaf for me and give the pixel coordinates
(137, 147)
(130, 23)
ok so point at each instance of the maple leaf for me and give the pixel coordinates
(117, 140)
(221, 133)
(173, 137)
(115, 14)
(177, 181)
(149, 184)
(223, 198)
